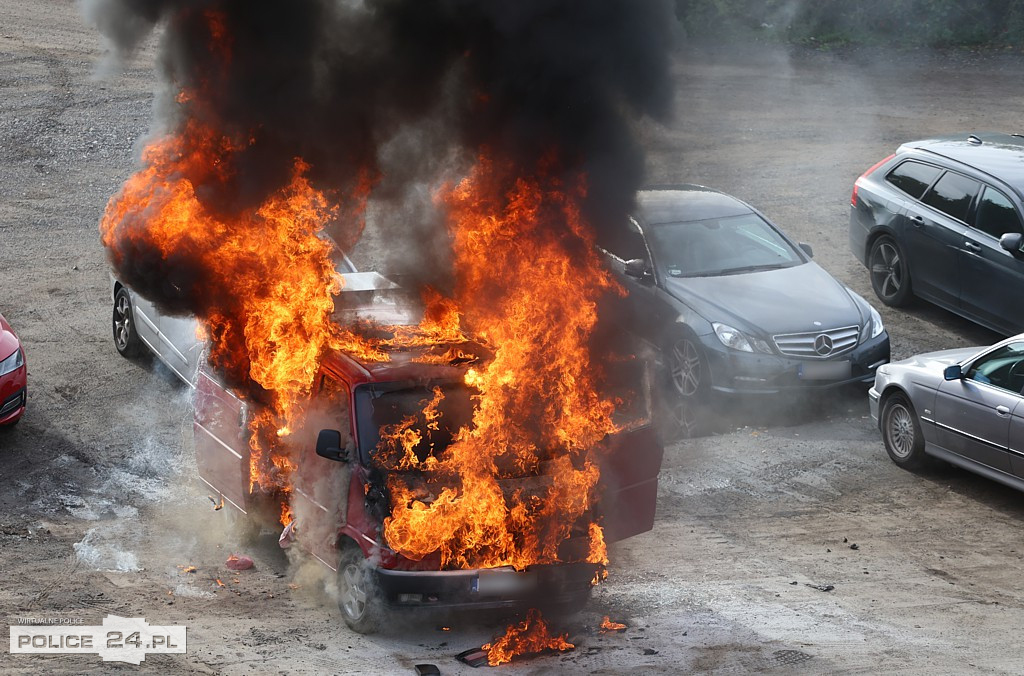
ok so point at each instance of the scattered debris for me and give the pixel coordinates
(474, 657)
(187, 569)
(794, 582)
(854, 546)
(217, 505)
(219, 583)
(239, 562)
(650, 651)
(821, 587)
(845, 540)
(427, 670)
(287, 536)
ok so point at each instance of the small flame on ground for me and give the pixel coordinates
(607, 625)
(530, 636)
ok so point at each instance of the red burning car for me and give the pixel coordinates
(342, 485)
(13, 375)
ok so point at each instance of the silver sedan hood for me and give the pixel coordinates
(939, 360)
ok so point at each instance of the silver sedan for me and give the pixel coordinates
(963, 406)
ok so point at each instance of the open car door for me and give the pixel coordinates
(630, 459)
(221, 433)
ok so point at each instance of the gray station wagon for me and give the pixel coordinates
(940, 219)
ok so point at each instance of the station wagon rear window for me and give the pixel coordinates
(912, 177)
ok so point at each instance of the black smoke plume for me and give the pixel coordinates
(335, 81)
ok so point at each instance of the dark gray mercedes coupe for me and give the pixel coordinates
(733, 305)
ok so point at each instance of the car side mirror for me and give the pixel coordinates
(1012, 241)
(328, 445)
(807, 249)
(636, 267)
(954, 372)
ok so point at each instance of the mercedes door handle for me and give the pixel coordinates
(1002, 411)
(917, 220)
(972, 247)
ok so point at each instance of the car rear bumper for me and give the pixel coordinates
(734, 372)
(485, 589)
(859, 231)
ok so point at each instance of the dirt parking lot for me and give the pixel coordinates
(101, 512)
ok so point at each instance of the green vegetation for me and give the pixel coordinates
(910, 23)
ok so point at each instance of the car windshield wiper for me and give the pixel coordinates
(753, 268)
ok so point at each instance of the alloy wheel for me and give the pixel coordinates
(899, 431)
(685, 367)
(887, 270)
(352, 591)
(122, 322)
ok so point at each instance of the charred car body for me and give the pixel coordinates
(339, 495)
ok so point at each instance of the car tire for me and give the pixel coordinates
(358, 598)
(126, 338)
(890, 274)
(689, 377)
(901, 433)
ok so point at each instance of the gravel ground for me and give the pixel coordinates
(102, 511)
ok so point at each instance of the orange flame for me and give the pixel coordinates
(269, 278)
(527, 637)
(607, 625)
(530, 291)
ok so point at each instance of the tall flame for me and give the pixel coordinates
(261, 280)
(530, 291)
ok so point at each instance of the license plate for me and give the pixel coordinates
(504, 582)
(826, 370)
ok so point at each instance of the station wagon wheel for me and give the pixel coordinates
(126, 338)
(901, 432)
(358, 598)
(890, 275)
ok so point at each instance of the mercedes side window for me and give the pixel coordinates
(952, 194)
(1002, 368)
(913, 178)
(625, 243)
(996, 214)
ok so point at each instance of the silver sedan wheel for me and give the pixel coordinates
(122, 322)
(352, 591)
(686, 368)
(899, 431)
(887, 270)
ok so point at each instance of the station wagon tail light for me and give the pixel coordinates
(876, 165)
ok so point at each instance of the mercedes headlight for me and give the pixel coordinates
(12, 363)
(737, 340)
(875, 326)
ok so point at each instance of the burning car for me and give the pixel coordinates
(381, 424)
(140, 328)
(13, 375)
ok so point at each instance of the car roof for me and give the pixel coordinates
(687, 202)
(996, 154)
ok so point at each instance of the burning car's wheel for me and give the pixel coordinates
(901, 433)
(126, 338)
(358, 600)
(688, 371)
(890, 276)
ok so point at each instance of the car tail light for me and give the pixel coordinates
(876, 165)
